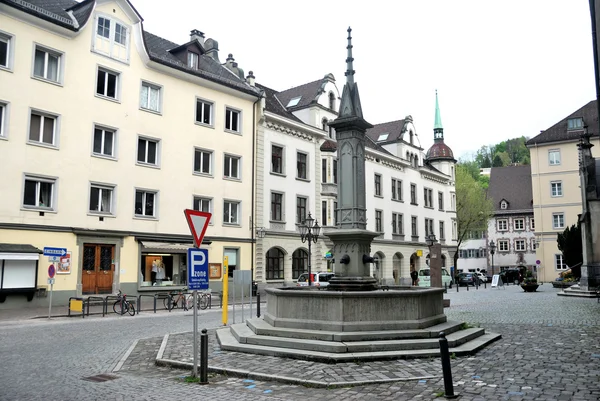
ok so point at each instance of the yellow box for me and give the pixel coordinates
(76, 305)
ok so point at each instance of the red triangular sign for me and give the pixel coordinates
(198, 222)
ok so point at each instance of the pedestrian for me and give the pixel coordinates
(415, 277)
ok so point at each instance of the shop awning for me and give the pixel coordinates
(165, 247)
(19, 252)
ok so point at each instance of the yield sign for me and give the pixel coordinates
(198, 222)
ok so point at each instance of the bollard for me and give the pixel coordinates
(457, 285)
(445, 288)
(258, 304)
(485, 284)
(467, 286)
(203, 357)
(446, 368)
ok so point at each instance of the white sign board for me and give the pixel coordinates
(497, 281)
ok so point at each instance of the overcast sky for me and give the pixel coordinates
(502, 68)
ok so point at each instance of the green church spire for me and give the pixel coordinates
(438, 130)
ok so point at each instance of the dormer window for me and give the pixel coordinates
(504, 205)
(193, 60)
(383, 137)
(324, 124)
(575, 123)
(331, 100)
(294, 101)
(111, 38)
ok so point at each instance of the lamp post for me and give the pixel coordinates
(309, 231)
(492, 247)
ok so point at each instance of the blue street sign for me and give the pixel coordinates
(55, 251)
(197, 269)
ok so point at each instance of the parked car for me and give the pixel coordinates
(482, 278)
(318, 279)
(425, 279)
(467, 279)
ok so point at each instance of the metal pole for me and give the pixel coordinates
(204, 357)
(243, 299)
(446, 368)
(233, 301)
(309, 236)
(50, 300)
(195, 371)
(258, 304)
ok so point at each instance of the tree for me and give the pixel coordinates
(473, 208)
(569, 243)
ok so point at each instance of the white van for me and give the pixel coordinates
(425, 279)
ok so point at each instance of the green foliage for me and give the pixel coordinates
(505, 153)
(569, 243)
(529, 279)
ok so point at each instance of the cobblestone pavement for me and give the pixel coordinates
(550, 350)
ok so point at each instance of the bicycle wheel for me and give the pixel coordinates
(169, 303)
(203, 301)
(130, 309)
(117, 308)
(190, 301)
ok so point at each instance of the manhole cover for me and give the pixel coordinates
(100, 378)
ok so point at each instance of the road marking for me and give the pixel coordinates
(124, 358)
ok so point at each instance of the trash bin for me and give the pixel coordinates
(254, 288)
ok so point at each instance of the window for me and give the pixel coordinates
(101, 199)
(204, 112)
(429, 227)
(231, 167)
(503, 225)
(519, 245)
(559, 263)
(558, 221)
(556, 188)
(383, 137)
(232, 120)
(428, 197)
(504, 205)
(335, 171)
(454, 229)
(148, 151)
(413, 226)
(150, 97)
(276, 206)
(442, 231)
(519, 224)
(440, 200)
(3, 120)
(47, 64)
(324, 124)
(112, 39)
(104, 142)
(39, 193)
(335, 213)
(107, 84)
(331, 101)
(232, 256)
(554, 157)
(43, 128)
(301, 209)
(378, 222)
(323, 170)
(453, 200)
(396, 189)
(533, 244)
(502, 246)
(532, 223)
(202, 204)
(299, 263)
(192, 60)
(377, 185)
(397, 224)
(413, 194)
(324, 213)
(301, 165)
(574, 123)
(145, 203)
(294, 101)
(231, 212)
(274, 267)
(6, 51)
(203, 161)
(276, 159)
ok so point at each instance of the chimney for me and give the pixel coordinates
(212, 49)
(197, 35)
(250, 78)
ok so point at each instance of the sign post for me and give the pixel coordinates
(51, 273)
(225, 288)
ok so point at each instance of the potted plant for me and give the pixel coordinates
(530, 283)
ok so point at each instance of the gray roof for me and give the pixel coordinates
(559, 133)
(513, 184)
(19, 248)
(56, 11)
(273, 104)
(393, 128)
(308, 92)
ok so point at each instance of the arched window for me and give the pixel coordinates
(299, 263)
(411, 137)
(331, 101)
(274, 264)
(324, 123)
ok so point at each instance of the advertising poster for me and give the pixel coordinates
(64, 264)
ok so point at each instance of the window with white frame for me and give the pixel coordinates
(43, 128)
(150, 98)
(559, 262)
(231, 212)
(558, 221)
(397, 223)
(111, 38)
(574, 123)
(148, 151)
(204, 111)
(38, 192)
(232, 120)
(377, 184)
(203, 161)
(442, 231)
(502, 224)
(145, 203)
(231, 167)
(504, 205)
(520, 245)
(428, 197)
(533, 244)
(276, 206)
(519, 224)
(202, 204)
(104, 142)
(454, 229)
(107, 83)
(277, 159)
(414, 226)
(6, 51)
(192, 60)
(101, 199)
(301, 209)
(532, 223)
(441, 200)
(413, 194)
(502, 246)
(554, 157)
(47, 64)
(396, 189)
(3, 120)
(378, 221)
(301, 165)
(556, 188)
(453, 201)
(429, 227)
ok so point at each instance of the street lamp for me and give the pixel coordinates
(492, 247)
(309, 231)
(430, 239)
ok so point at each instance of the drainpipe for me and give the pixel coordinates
(252, 228)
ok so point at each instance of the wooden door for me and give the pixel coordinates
(98, 269)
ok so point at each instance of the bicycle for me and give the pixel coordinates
(171, 303)
(203, 300)
(122, 305)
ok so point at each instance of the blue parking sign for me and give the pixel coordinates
(197, 269)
